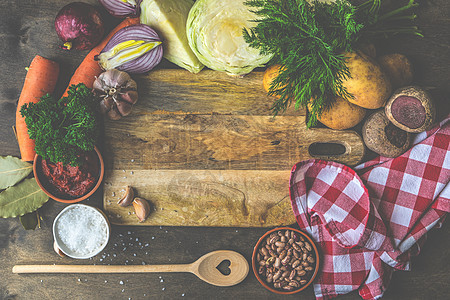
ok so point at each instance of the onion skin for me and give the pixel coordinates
(80, 26)
(143, 63)
(122, 8)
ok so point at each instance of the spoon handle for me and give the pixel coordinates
(101, 268)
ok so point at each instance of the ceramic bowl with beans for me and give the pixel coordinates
(285, 260)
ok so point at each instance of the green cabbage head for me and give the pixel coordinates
(214, 31)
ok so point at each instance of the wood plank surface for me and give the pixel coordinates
(206, 150)
(26, 29)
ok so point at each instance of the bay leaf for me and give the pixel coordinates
(13, 170)
(21, 199)
(29, 221)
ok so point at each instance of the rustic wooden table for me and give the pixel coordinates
(26, 29)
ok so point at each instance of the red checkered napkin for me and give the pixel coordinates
(371, 224)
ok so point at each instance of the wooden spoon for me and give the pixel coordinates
(204, 268)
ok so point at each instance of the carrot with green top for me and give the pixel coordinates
(89, 69)
(41, 79)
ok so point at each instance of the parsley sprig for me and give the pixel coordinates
(63, 129)
(309, 39)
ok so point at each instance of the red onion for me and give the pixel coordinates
(122, 8)
(79, 25)
(133, 49)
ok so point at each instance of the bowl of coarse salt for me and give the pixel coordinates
(81, 231)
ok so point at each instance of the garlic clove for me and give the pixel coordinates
(106, 105)
(124, 108)
(127, 199)
(142, 208)
(113, 114)
(130, 96)
(131, 84)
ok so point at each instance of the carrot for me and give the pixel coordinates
(89, 69)
(41, 79)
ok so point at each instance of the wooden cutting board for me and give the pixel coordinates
(205, 150)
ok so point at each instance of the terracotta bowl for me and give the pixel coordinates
(270, 287)
(46, 186)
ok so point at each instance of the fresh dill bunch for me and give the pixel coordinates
(309, 39)
(63, 129)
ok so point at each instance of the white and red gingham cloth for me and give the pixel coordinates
(371, 224)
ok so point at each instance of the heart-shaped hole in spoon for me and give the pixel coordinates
(224, 267)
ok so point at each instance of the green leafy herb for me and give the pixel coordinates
(309, 39)
(21, 199)
(29, 221)
(13, 170)
(63, 129)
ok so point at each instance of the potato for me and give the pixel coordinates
(342, 115)
(398, 68)
(368, 83)
(269, 75)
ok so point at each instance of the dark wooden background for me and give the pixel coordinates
(26, 29)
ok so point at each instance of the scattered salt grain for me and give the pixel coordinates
(131, 172)
(129, 232)
(121, 282)
(182, 295)
(123, 290)
(162, 280)
(132, 160)
(163, 288)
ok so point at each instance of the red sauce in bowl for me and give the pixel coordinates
(72, 181)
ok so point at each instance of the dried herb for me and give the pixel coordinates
(308, 38)
(63, 129)
(29, 221)
(21, 199)
(13, 170)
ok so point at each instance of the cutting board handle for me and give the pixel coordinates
(328, 147)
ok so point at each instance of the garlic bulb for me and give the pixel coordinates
(117, 93)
